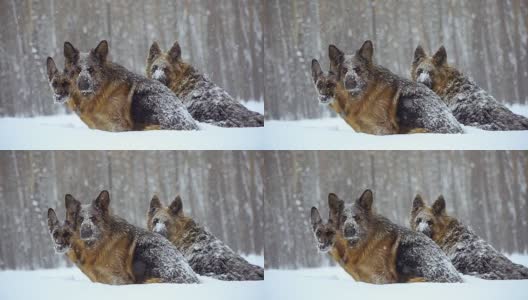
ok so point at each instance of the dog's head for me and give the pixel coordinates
(86, 71)
(324, 84)
(325, 234)
(90, 220)
(165, 220)
(430, 70)
(165, 66)
(61, 234)
(58, 81)
(354, 72)
(357, 219)
(431, 221)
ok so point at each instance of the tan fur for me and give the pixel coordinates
(175, 228)
(374, 112)
(109, 263)
(442, 75)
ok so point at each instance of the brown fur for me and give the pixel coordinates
(175, 221)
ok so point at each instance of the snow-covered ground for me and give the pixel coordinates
(334, 283)
(68, 132)
(335, 134)
(71, 284)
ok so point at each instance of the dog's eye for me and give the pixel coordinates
(420, 71)
(154, 68)
(55, 235)
(419, 220)
(344, 70)
(92, 219)
(343, 219)
(318, 233)
(90, 70)
(81, 219)
(429, 223)
(357, 69)
(54, 84)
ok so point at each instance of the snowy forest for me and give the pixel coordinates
(484, 189)
(221, 190)
(486, 39)
(221, 38)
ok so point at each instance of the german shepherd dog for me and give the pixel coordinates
(206, 254)
(380, 102)
(470, 104)
(379, 251)
(469, 253)
(205, 100)
(112, 98)
(117, 252)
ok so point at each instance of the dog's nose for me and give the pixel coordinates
(350, 83)
(83, 84)
(86, 232)
(350, 231)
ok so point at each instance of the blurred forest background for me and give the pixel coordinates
(221, 190)
(486, 190)
(221, 38)
(486, 39)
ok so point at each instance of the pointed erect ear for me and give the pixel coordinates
(315, 217)
(71, 55)
(439, 206)
(336, 207)
(102, 202)
(336, 57)
(175, 52)
(440, 57)
(366, 199)
(154, 52)
(316, 70)
(417, 203)
(176, 207)
(52, 68)
(72, 208)
(101, 51)
(367, 51)
(52, 220)
(419, 54)
(154, 203)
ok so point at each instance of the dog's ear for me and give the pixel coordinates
(52, 68)
(439, 206)
(440, 57)
(154, 52)
(336, 56)
(367, 51)
(155, 204)
(365, 201)
(417, 203)
(176, 207)
(175, 52)
(316, 70)
(101, 51)
(419, 54)
(336, 207)
(72, 208)
(102, 202)
(53, 222)
(71, 54)
(315, 217)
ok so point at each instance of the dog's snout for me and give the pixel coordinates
(350, 82)
(86, 232)
(83, 83)
(350, 231)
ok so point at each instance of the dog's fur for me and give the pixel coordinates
(111, 98)
(116, 252)
(380, 102)
(379, 251)
(469, 253)
(205, 100)
(470, 104)
(206, 254)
